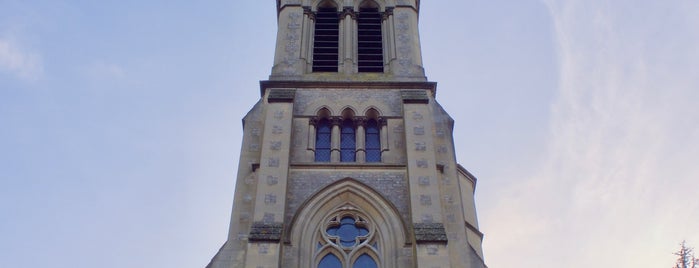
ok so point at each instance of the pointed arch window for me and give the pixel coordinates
(365, 261)
(369, 38)
(343, 238)
(330, 261)
(326, 39)
(348, 142)
(323, 140)
(373, 141)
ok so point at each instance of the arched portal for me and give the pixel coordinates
(350, 222)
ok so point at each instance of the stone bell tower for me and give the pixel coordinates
(347, 158)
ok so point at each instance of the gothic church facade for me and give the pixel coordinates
(347, 159)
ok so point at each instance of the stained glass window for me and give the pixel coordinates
(365, 261)
(348, 232)
(373, 142)
(346, 236)
(323, 141)
(348, 143)
(330, 261)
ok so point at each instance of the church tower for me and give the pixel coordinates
(347, 159)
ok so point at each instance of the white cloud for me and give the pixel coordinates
(619, 187)
(16, 61)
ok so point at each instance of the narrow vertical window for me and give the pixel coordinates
(348, 144)
(370, 44)
(323, 133)
(326, 40)
(373, 142)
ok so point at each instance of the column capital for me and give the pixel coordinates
(348, 11)
(308, 12)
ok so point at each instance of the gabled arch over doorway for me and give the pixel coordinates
(347, 198)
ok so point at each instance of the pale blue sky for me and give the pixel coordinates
(120, 126)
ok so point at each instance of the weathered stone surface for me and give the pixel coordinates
(308, 101)
(261, 231)
(392, 185)
(430, 233)
(281, 95)
(414, 96)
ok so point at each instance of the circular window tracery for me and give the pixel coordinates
(345, 236)
(348, 231)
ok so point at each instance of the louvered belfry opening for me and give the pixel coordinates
(325, 45)
(370, 44)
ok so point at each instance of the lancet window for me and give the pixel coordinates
(369, 38)
(347, 138)
(323, 137)
(326, 38)
(368, 53)
(373, 141)
(348, 141)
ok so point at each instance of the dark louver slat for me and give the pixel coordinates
(370, 41)
(326, 40)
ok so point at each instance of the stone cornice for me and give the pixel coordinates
(268, 84)
(467, 174)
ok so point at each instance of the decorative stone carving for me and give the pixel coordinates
(440, 132)
(424, 181)
(425, 200)
(420, 146)
(419, 130)
(348, 11)
(275, 145)
(270, 199)
(273, 162)
(417, 116)
(272, 180)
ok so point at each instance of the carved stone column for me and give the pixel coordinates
(361, 140)
(348, 37)
(335, 140)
